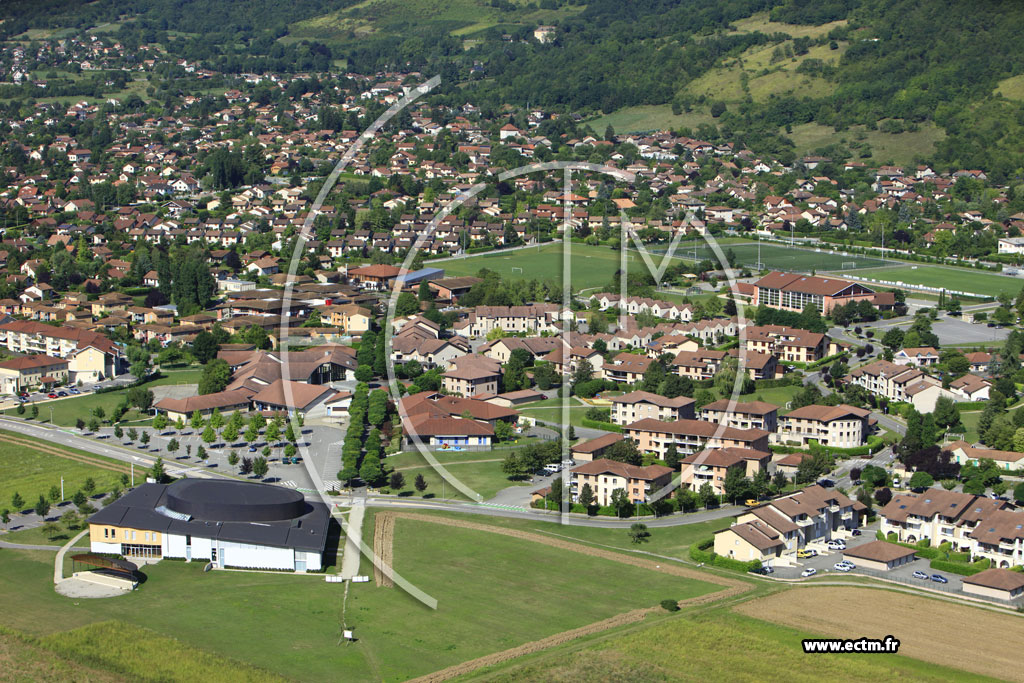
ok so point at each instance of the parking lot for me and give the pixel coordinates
(825, 562)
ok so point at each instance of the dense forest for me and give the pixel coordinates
(904, 64)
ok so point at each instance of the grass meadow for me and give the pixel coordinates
(31, 472)
(493, 592)
(960, 279)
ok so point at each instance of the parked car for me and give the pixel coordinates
(73, 390)
(23, 394)
(841, 567)
(856, 532)
(62, 393)
(918, 574)
(939, 578)
(806, 552)
(751, 502)
(836, 544)
(810, 571)
(51, 395)
(252, 449)
(826, 483)
(763, 570)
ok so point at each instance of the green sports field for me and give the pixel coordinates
(775, 256)
(948, 277)
(591, 266)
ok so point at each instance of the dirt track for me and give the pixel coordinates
(948, 634)
(732, 587)
(383, 548)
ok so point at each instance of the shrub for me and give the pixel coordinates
(958, 568)
(670, 605)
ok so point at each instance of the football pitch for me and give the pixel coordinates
(776, 256)
(947, 277)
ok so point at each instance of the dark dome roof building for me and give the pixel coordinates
(230, 523)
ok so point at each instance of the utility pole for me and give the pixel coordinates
(62, 488)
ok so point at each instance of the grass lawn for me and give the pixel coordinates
(67, 411)
(689, 647)
(779, 396)
(479, 470)
(36, 536)
(592, 266)
(1012, 88)
(493, 592)
(470, 621)
(950, 277)
(32, 472)
(672, 541)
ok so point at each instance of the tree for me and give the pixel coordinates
(51, 530)
(620, 502)
(396, 482)
(672, 457)
(216, 419)
(201, 454)
(34, 412)
(252, 432)
(71, 520)
(233, 458)
(1018, 493)
(230, 432)
(272, 432)
(205, 347)
(160, 422)
(503, 431)
(89, 486)
(209, 435)
(133, 434)
(586, 497)
(172, 446)
(54, 494)
(144, 437)
(420, 484)
(779, 481)
(79, 500)
(883, 496)
(17, 502)
(624, 451)
(246, 466)
(5, 516)
(921, 480)
(80, 424)
(141, 398)
(260, 466)
(215, 377)
(157, 471)
(737, 485)
(94, 425)
(638, 533)
(707, 495)
(42, 506)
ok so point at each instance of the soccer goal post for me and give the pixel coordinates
(849, 265)
(515, 268)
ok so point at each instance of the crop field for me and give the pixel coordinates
(959, 279)
(494, 592)
(690, 648)
(928, 630)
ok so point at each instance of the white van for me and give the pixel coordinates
(553, 468)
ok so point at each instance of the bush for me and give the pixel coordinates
(699, 553)
(670, 605)
(960, 569)
(606, 426)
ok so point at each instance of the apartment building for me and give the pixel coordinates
(841, 426)
(639, 405)
(472, 375)
(788, 344)
(18, 374)
(531, 320)
(711, 466)
(691, 436)
(775, 531)
(742, 414)
(627, 368)
(605, 476)
(90, 355)
(699, 364)
(919, 356)
(900, 383)
(946, 516)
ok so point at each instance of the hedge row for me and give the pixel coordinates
(961, 569)
(774, 383)
(596, 424)
(826, 360)
(699, 553)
